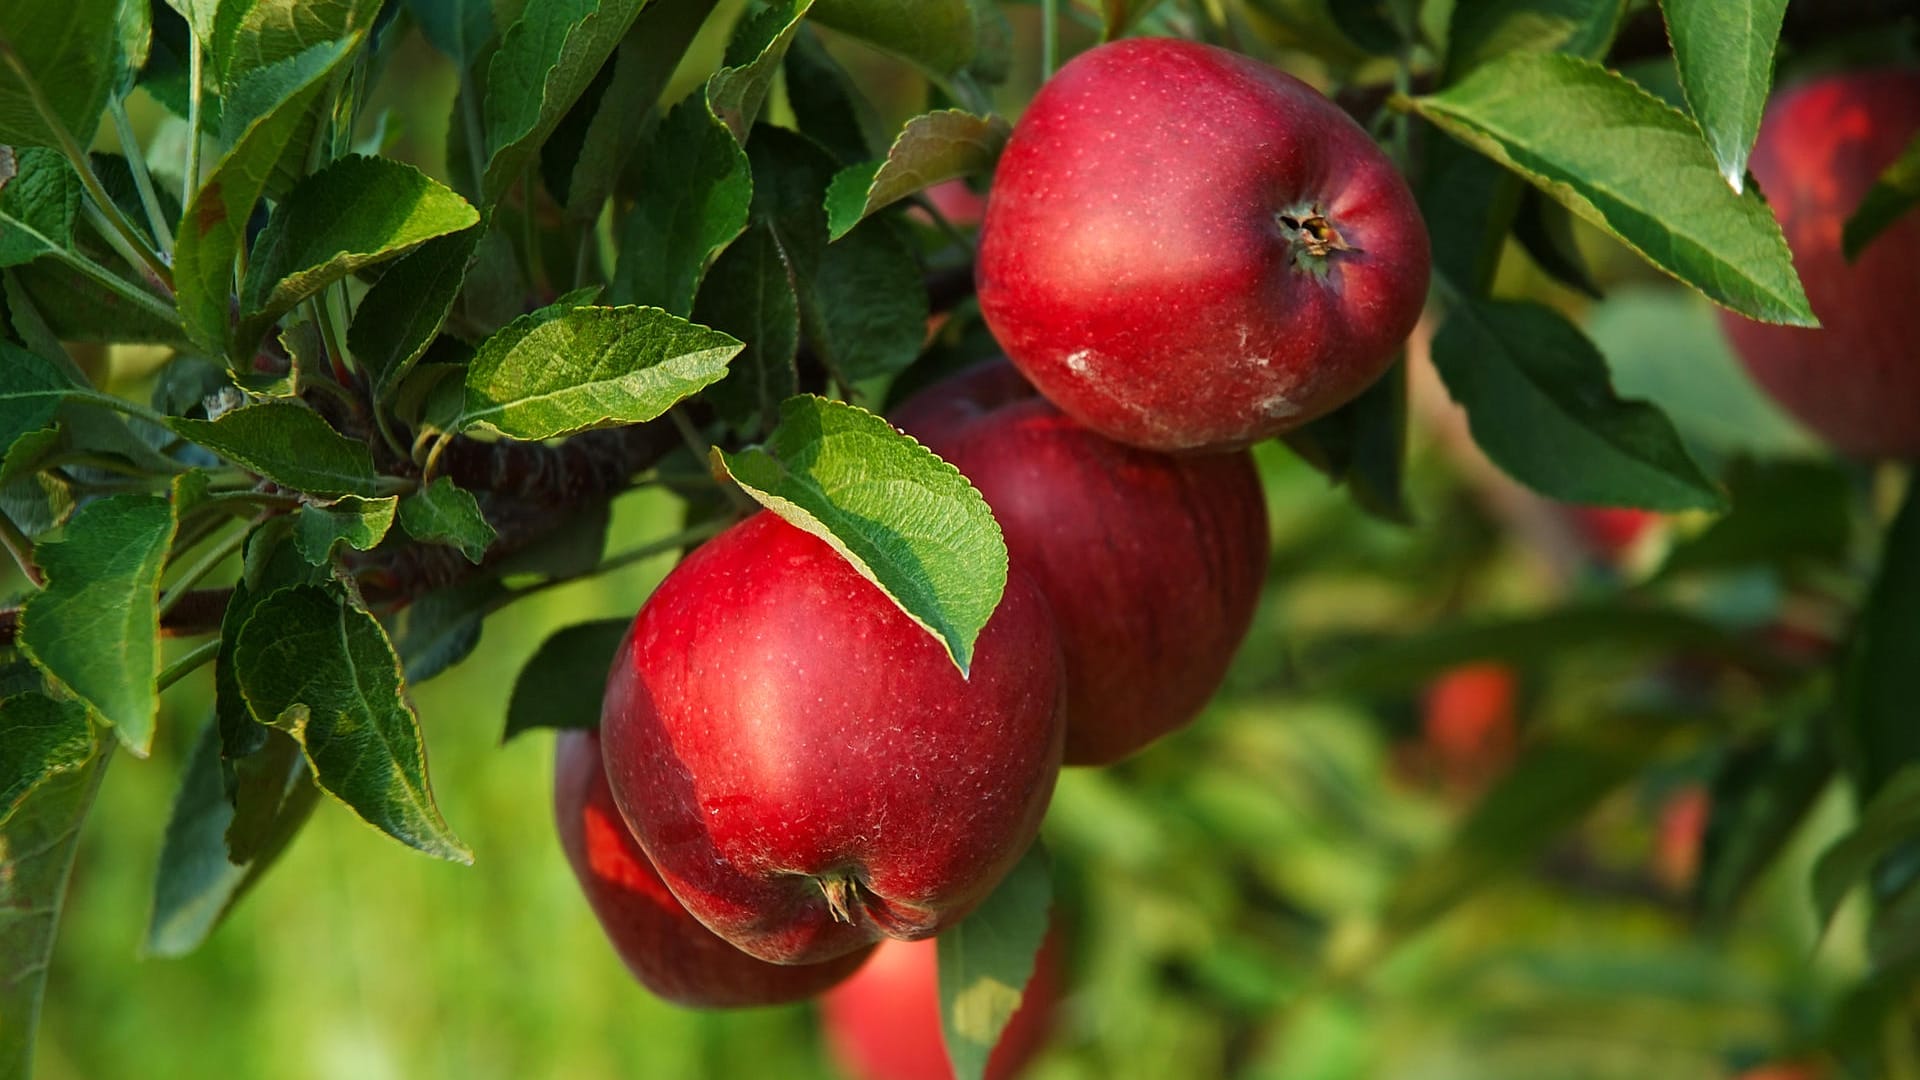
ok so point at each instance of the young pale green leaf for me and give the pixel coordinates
(986, 961)
(325, 673)
(1724, 53)
(356, 522)
(58, 63)
(1625, 161)
(31, 394)
(1876, 685)
(40, 738)
(445, 513)
(252, 34)
(933, 147)
(1539, 403)
(545, 60)
(36, 846)
(442, 627)
(355, 212)
(693, 198)
(403, 312)
(214, 223)
(459, 28)
(1895, 193)
(95, 628)
(38, 206)
(1483, 30)
(908, 521)
(556, 372)
(737, 91)
(199, 879)
(561, 684)
(941, 37)
(749, 294)
(1888, 822)
(288, 443)
(1363, 444)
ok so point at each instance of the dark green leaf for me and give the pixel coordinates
(95, 628)
(1724, 53)
(31, 394)
(65, 54)
(1889, 821)
(1759, 798)
(36, 846)
(986, 961)
(909, 522)
(826, 105)
(562, 683)
(1540, 404)
(1892, 195)
(288, 443)
(693, 198)
(1363, 444)
(38, 206)
(1545, 229)
(865, 308)
(737, 91)
(1343, 31)
(1468, 203)
(556, 372)
(443, 627)
(1623, 160)
(749, 295)
(1877, 687)
(1785, 514)
(81, 301)
(40, 738)
(36, 503)
(355, 212)
(942, 37)
(445, 513)
(253, 34)
(931, 148)
(1483, 30)
(573, 548)
(402, 313)
(350, 520)
(271, 563)
(1118, 16)
(324, 672)
(459, 28)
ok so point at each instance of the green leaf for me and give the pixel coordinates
(562, 683)
(1877, 685)
(356, 522)
(1539, 403)
(556, 372)
(95, 628)
(403, 312)
(827, 107)
(288, 443)
(1483, 30)
(544, 62)
(737, 91)
(1892, 195)
(1118, 16)
(271, 563)
(31, 394)
(909, 522)
(200, 15)
(459, 28)
(442, 627)
(1469, 204)
(749, 295)
(355, 212)
(941, 37)
(214, 224)
(1759, 798)
(986, 961)
(1786, 514)
(1625, 161)
(931, 148)
(64, 53)
(1544, 230)
(1363, 444)
(1888, 822)
(36, 846)
(445, 513)
(1342, 31)
(40, 738)
(83, 302)
(693, 198)
(198, 882)
(1724, 52)
(865, 307)
(253, 34)
(325, 673)
(38, 206)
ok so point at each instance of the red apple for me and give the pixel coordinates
(1186, 249)
(806, 767)
(1470, 726)
(884, 1023)
(665, 948)
(1682, 830)
(1611, 531)
(1152, 564)
(1853, 380)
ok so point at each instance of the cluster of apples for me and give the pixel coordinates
(1184, 252)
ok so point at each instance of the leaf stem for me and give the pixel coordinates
(206, 564)
(121, 405)
(142, 179)
(691, 535)
(187, 663)
(1049, 38)
(330, 333)
(476, 135)
(190, 175)
(21, 549)
(114, 283)
(702, 451)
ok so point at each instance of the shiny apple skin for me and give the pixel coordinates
(804, 764)
(1134, 264)
(667, 950)
(1152, 563)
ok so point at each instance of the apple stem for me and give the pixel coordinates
(842, 892)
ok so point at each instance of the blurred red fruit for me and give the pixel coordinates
(1469, 720)
(1683, 825)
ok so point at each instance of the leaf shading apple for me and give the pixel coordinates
(666, 949)
(884, 1023)
(1185, 249)
(1853, 380)
(1151, 563)
(805, 765)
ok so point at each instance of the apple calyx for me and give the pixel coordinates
(1313, 236)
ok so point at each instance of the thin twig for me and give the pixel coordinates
(190, 176)
(21, 549)
(142, 180)
(653, 549)
(180, 668)
(217, 554)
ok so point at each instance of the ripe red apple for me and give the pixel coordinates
(1853, 380)
(1186, 249)
(884, 1023)
(1682, 830)
(1611, 531)
(666, 949)
(1151, 563)
(806, 767)
(1469, 720)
